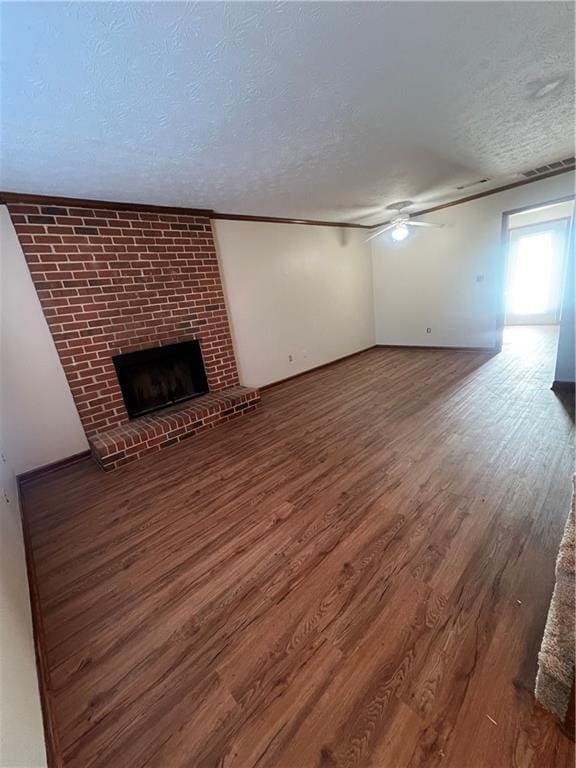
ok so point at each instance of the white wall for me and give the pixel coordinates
(298, 290)
(21, 731)
(540, 215)
(450, 279)
(41, 423)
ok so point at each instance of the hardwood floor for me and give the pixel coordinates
(356, 575)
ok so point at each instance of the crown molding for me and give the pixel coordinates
(7, 198)
(18, 197)
(486, 193)
(280, 220)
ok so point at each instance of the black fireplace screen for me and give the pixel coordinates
(154, 378)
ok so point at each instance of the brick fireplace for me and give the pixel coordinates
(112, 281)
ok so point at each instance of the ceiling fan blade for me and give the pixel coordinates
(423, 224)
(380, 231)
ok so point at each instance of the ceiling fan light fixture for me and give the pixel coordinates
(400, 232)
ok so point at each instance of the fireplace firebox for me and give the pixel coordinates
(151, 379)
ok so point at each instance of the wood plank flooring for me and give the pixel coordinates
(356, 575)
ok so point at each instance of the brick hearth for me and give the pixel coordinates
(171, 425)
(112, 281)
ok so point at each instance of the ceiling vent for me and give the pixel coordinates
(472, 184)
(567, 163)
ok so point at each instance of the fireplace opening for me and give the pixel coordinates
(155, 378)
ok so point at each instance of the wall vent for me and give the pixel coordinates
(472, 184)
(567, 163)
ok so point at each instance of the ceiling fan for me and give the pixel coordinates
(401, 222)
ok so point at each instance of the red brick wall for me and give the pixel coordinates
(112, 281)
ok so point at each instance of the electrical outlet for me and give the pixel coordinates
(290, 358)
(479, 278)
(428, 330)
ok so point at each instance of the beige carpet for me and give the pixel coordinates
(556, 657)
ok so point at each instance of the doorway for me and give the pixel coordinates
(535, 273)
(535, 308)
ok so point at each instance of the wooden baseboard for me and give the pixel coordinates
(491, 350)
(46, 469)
(53, 752)
(265, 387)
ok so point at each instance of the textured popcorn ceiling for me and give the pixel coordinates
(315, 110)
